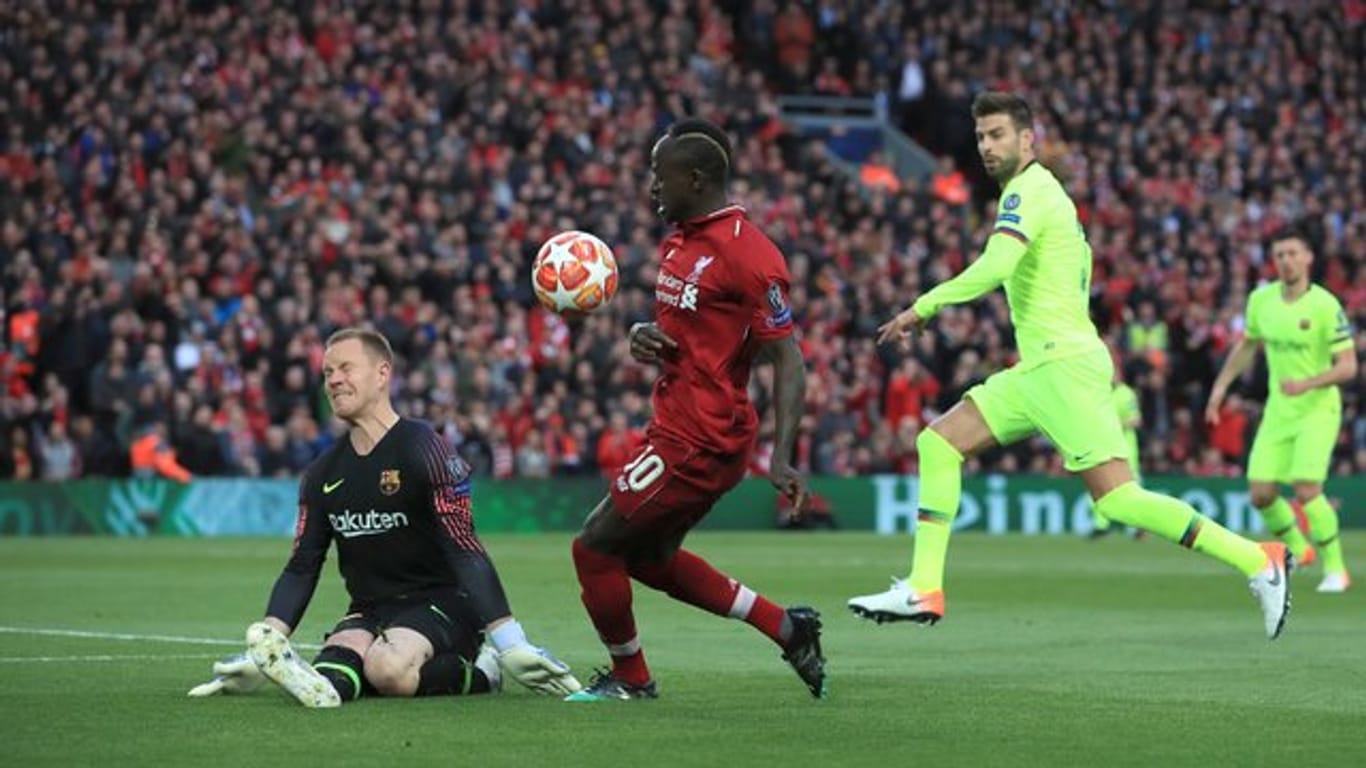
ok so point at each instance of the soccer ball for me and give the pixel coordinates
(574, 272)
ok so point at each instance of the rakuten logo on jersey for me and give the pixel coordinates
(350, 524)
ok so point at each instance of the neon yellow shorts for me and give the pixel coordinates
(1299, 449)
(1068, 400)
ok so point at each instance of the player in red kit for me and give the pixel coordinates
(720, 304)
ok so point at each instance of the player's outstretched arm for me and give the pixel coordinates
(1239, 359)
(789, 396)
(996, 264)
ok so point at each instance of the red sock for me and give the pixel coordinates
(607, 596)
(693, 580)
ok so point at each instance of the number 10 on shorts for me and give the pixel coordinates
(642, 471)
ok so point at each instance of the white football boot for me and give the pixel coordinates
(900, 603)
(1334, 583)
(271, 652)
(1271, 587)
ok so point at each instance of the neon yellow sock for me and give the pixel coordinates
(941, 488)
(1323, 526)
(1099, 522)
(1177, 521)
(1280, 521)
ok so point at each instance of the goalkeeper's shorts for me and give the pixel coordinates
(438, 615)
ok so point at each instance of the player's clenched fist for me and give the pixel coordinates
(648, 342)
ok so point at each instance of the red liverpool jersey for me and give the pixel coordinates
(722, 289)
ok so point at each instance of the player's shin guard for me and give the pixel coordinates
(1177, 521)
(1279, 519)
(450, 674)
(343, 668)
(941, 487)
(692, 580)
(1323, 526)
(607, 597)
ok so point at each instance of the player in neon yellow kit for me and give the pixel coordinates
(1309, 352)
(1060, 387)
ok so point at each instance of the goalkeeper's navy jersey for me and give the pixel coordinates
(400, 517)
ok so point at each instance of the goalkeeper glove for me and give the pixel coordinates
(235, 674)
(536, 669)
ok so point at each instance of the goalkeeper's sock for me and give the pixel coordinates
(450, 674)
(941, 486)
(1323, 526)
(690, 579)
(1177, 521)
(1279, 518)
(344, 669)
(606, 593)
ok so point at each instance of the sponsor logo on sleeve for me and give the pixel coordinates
(780, 314)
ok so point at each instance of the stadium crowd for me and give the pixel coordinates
(193, 195)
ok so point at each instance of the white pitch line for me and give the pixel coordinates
(132, 657)
(54, 632)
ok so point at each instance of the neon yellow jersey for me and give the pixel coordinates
(1300, 339)
(1038, 249)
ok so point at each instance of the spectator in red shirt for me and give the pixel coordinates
(1229, 435)
(909, 390)
(617, 444)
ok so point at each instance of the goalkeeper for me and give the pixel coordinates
(396, 500)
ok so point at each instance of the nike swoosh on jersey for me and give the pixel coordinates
(330, 487)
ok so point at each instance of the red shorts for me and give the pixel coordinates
(668, 486)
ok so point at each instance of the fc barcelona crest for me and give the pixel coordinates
(388, 482)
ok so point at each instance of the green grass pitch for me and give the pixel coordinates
(1055, 652)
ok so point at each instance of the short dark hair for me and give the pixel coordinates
(1000, 102)
(703, 145)
(1293, 231)
(373, 341)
